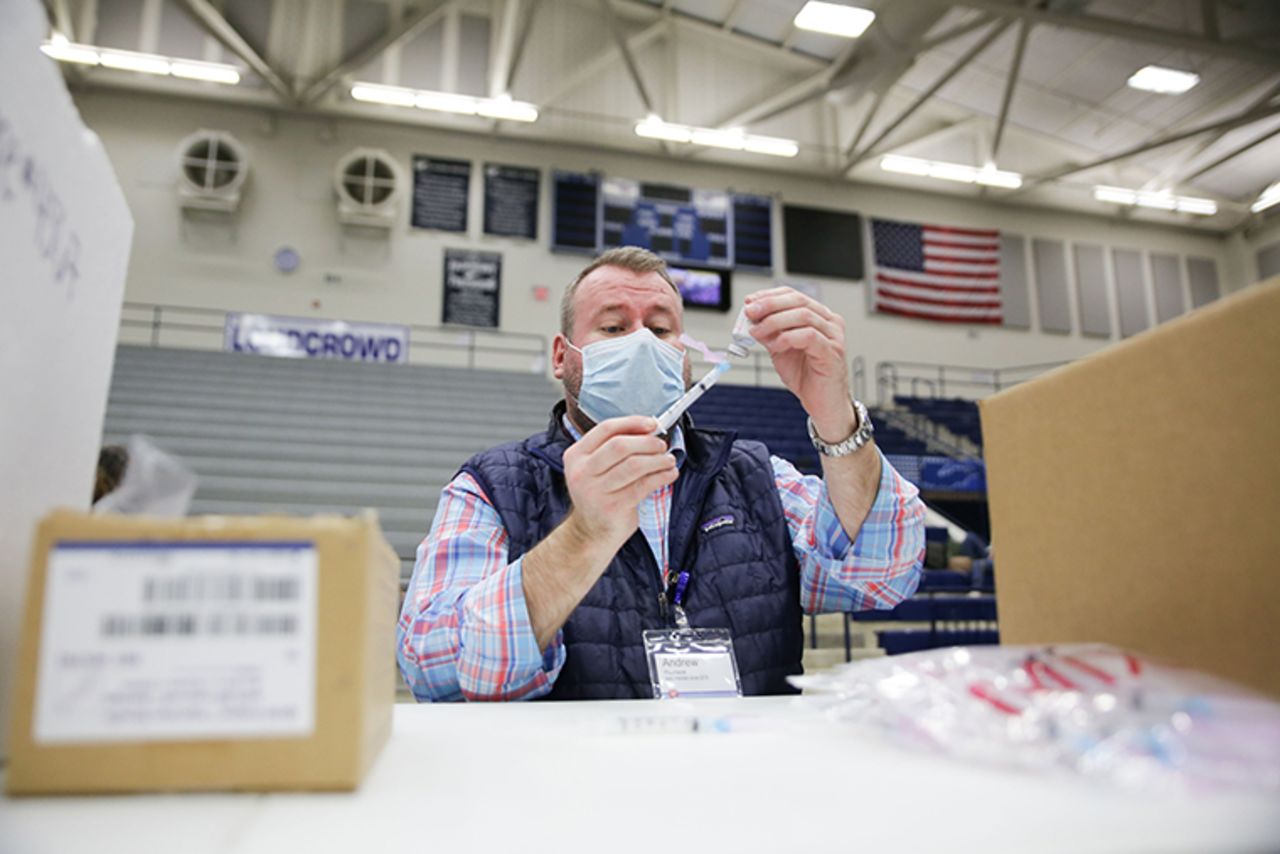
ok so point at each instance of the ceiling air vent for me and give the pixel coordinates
(212, 168)
(368, 184)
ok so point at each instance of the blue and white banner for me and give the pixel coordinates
(306, 338)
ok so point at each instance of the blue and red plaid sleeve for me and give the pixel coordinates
(879, 568)
(464, 629)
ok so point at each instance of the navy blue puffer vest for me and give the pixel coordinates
(727, 529)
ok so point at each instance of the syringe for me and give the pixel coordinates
(673, 413)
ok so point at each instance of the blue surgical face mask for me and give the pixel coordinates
(636, 374)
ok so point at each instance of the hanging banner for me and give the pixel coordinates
(472, 287)
(440, 189)
(311, 338)
(511, 201)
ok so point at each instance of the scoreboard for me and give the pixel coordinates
(685, 226)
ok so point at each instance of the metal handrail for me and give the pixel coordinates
(889, 374)
(158, 322)
(858, 377)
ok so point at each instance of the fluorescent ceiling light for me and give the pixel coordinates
(771, 145)
(128, 60)
(1269, 197)
(394, 96)
(214, 72)
(64, 51)
(502, 107)
(148, 63)
(953, 172)
(1204, 207)
(446, 102)
(834, 19)
(962, 173)
(1164, 201)
(905, 165)
(990, 176)
(1166, 81)
(733, 139)
(655, 128)
(1159, 201)
(1117, 195)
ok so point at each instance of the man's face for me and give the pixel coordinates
(609, 303)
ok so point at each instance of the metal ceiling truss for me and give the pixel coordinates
(794, 95)
(504, 45)
(867, 119)
(204, 14)
(854, 158)
(790, 96)
(1159, 141)
(591, 68)
(1232, 154)
(513, 21)
(1015, 68)
(956, 32)
(1239, 50)
(1167, 174)
(628, 60)
(522, 39)
(60, 17)
(694, 23)
(397, 33)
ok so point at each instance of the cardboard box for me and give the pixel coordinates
(1135, 494)
(204, 653)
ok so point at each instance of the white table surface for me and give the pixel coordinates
(630, 776)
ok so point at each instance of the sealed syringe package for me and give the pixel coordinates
(1083, 709)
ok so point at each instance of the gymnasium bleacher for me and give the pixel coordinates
(774, 416)
(924, 440)
(957, 415)
(306, 436)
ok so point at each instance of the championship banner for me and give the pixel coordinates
(472, 287)
(307, 338)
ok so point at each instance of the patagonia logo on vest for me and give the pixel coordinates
(717, 523)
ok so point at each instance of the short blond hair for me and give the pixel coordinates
(631, 258)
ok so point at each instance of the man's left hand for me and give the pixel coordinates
(805, 339)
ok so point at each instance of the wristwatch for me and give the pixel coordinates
(860, 437)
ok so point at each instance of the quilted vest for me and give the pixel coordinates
(727, 529)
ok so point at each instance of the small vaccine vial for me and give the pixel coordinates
(741, 335)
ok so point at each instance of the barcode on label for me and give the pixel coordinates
(229, 588)
(188, 625)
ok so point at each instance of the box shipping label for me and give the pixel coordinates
(147, 641)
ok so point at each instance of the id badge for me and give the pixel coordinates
(692, 663)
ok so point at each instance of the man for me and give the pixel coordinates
(548, 558)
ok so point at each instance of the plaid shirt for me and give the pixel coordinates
(465, 632)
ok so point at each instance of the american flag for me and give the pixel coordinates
(935, 272)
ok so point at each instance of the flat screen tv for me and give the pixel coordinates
(822, 242)
(701, 288)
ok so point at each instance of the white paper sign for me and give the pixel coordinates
(65, 233)
(696, 674)
(183, 640)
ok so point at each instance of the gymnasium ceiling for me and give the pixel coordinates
(1036, 87)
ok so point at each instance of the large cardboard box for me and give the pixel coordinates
(1135, 494)
(204, 653)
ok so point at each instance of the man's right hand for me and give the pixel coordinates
(609, 471)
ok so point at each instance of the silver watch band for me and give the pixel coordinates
(860, 437)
